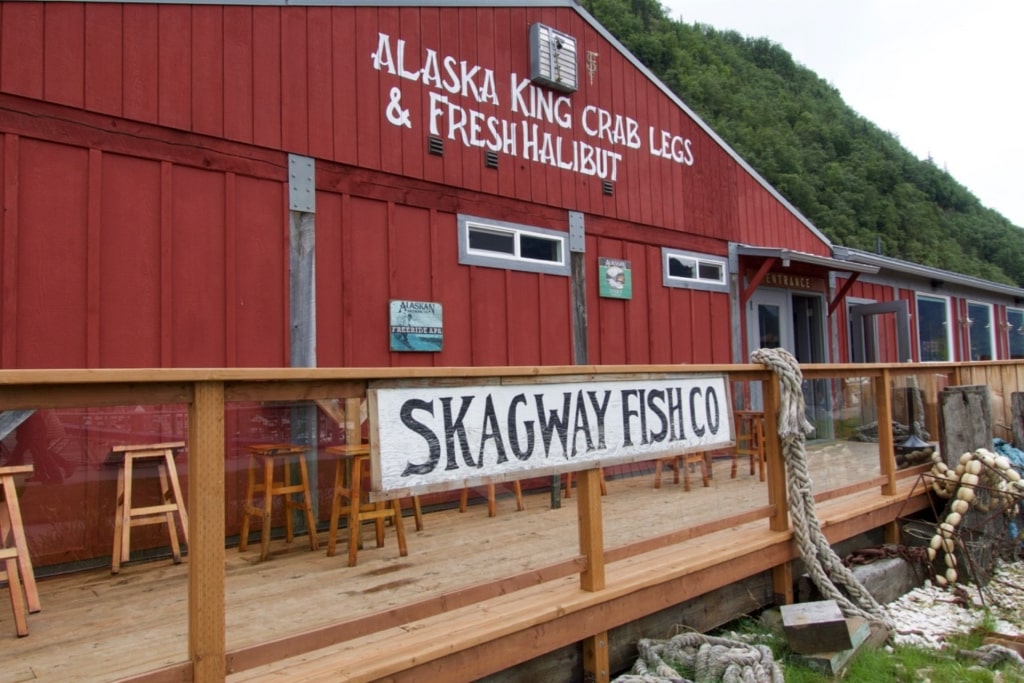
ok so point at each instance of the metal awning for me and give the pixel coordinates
(787, 257)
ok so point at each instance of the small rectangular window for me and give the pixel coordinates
(694, 271)
(980, 331)
(1015, 332)
(933, 329)
(492, 240)
(515, 247)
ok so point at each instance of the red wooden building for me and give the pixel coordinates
(216, 184)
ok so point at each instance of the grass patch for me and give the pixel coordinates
(897, 664)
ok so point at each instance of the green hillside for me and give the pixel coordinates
(854, 181)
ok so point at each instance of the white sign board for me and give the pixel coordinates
(439, 438)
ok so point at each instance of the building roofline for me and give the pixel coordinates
(926, 272)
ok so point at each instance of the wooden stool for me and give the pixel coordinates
(568, 484)
(492, 505)
(269, 455)
(749, 440)
(684, 462)
(353, 461)
(126, 515)
(17, 566)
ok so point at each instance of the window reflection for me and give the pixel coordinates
(979, 319)
(933, 328)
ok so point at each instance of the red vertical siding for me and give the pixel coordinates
(104, 78)
(294, 82)
(287, 78)
(51, 324)
(329, 280)
(489, 322)
(129, 291)
(141, 63)
(208, 70)
(266, 76)
(260, 263)
(63, 56)
(174, 66)
(21, 48)
(320, 80)
(408, 231)
(196, 266)
(366, 279)
(238, 69)
(451, 286)
(367, 132)
(346, 122)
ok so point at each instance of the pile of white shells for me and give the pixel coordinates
(981, 469)
(929, 614)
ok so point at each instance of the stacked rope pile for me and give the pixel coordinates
(710, 659)
(826, 569)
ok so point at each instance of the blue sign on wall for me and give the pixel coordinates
(416, 326)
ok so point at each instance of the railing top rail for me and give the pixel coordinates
(178, 375)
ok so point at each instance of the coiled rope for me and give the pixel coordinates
(827, 571)
(711, 659)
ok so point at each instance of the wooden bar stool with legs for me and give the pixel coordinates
(568, 484)
(267, 457)
(682, 461)
(749, 440)
(127, 515)
(17, 566)
(353, 463)
(492, 504)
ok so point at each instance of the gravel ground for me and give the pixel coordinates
(928, 614)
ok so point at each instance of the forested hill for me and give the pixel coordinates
(852, 180)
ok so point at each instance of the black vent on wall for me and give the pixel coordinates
(608, 187)
(490, 159)
(435, 146)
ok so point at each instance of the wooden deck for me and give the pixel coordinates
(95, 626)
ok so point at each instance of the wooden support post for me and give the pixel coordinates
(1017, 420)
(782, 575)
(886, 447)
(774, 464)
(595, 658)
(782, 583)
(206, 582)
(591, 528)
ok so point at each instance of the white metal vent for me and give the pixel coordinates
(553, 58)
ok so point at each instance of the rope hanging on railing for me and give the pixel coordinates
(826, 569)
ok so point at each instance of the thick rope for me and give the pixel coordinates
(710, 659)
(826, 569)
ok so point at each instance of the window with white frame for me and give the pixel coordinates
(497, 244)
(694, 271)
(1015, 332)
(980, 331)
(933, 329)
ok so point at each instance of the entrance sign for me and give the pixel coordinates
(440, 438)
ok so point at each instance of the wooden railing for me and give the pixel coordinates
(207, 392)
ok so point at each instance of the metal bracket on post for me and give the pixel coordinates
(301, 184)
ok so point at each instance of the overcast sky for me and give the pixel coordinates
(943, 76)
